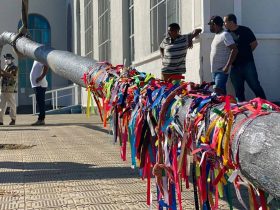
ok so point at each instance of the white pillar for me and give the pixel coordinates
(205, 12)
(142, 29)
(95, 30)
(117, 17)
(82, 18)
(238, 11)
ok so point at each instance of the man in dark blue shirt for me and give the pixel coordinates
(243, 68)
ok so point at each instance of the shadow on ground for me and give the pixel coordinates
(60, 171)
(93, 126)
(63, 171)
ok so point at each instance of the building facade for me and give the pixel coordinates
(130, 31)
(50, 22)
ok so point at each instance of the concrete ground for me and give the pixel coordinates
(71, 163)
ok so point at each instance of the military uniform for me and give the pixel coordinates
(8, 92)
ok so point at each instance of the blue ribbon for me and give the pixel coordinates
(173, 204)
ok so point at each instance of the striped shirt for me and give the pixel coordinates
(174, 59)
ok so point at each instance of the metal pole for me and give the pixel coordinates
(53, 100)
(65, 64)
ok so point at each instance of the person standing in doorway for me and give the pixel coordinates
(8, 89)
(243, 68)
(39, 84)
(173, 51)
(223, 52)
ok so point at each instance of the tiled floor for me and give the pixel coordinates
(72, 164)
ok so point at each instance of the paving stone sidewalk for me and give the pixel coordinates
(71, 163)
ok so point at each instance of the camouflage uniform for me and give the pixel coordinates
(8, 91)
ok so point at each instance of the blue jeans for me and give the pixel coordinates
(246, 72)
(220, 79)
(40, 98)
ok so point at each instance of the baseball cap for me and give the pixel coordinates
(216, 20)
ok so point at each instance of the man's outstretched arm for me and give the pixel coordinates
(195, 33)
(192, 35)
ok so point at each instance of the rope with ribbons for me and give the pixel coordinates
(147, 113)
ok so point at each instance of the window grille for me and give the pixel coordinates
(131, 30)
(162, 13)
(88, 29)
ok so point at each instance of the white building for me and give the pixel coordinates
(130, 31)
(48, 25)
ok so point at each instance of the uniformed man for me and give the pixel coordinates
(9, 78)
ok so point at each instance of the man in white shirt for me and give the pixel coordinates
(39, 84)
(223, 53)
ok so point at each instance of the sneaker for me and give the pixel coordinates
(13, 122)
(1, 123)
(39, 122)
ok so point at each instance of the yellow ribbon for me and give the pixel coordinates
(209, 130)
(148, 77)
(220, 137)
(227, 138)
(88, 103)
(220, 185)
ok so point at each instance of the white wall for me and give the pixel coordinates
(263, 17)
(95, 31)
(267, 62)
(9, 16)
(117, 32)
(82, 41)
(221, 7)
(142, 29)
(150, 64)
(186, 21)
(198, 65)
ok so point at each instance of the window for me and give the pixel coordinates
(131, 29)
(88, 29)
(162, 13)
(104, 44)
(69, 29)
